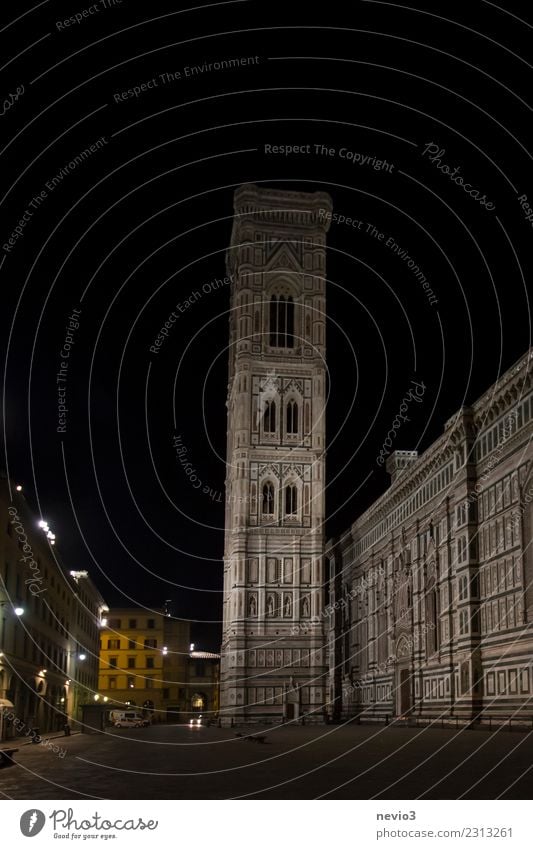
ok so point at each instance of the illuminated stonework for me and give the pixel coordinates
(430, 610)
(274, 662)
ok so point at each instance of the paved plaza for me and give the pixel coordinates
(338, 762)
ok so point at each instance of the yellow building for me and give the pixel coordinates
(143, 661)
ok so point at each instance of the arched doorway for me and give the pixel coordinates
(404, 678)
(199, 703)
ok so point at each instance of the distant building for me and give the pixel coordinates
(430, 607)
(85, 631)
(203, 682)
(48, 625)
(146, 661)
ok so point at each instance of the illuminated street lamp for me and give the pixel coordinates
(18, 611)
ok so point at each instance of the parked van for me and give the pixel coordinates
(128, 719)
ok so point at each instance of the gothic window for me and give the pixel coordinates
(269, 417)
(291, 424)
(291, 496)
(382, 639)
(281, 321)
(432, 640)
(267, 507)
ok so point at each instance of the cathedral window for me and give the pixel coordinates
(291, 497)
(291, 423)
(268, 499)
(269, 417)
(431, 621)
(281, 321)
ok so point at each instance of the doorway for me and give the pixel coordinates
(404, 691)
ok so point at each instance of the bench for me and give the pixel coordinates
(252, 738)
(257, 738)
(6, 757)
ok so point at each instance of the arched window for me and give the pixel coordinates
(291, 423)
(267, 507)
(269, 417)
(291, 496)
(432, 622)
(281, 321)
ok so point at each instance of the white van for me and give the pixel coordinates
(128, 719)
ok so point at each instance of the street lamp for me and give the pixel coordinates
(18, 611)
(49, 535)
(81, 655)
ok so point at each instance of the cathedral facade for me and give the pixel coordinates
(430, 602)
(273, 646)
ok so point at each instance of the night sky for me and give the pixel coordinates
(142, 222)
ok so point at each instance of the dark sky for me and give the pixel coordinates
(145, 219)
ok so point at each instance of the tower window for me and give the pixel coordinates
(269, 417)
(292, 417)
(290, 500)
(268, 499)
(281, 321)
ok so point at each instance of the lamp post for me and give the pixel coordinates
(73, 685)
(17, 609)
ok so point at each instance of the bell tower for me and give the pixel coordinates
(274, 657)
